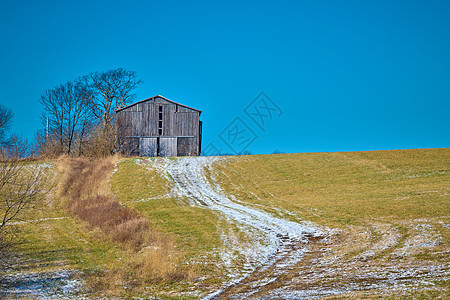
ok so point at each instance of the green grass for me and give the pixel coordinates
(368, 195)
(194, 229)
(348, 188)
(48, 238)
(49, 244)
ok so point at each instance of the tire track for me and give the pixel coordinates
(289, 260)
(276, 245)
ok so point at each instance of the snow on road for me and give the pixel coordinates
(273, 242)
(278, 258)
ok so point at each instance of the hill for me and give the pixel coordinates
(352, 224)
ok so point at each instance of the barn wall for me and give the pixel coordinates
(148, 146)
(138, 124)
(150, 125)
(169, 120)
(168, 146)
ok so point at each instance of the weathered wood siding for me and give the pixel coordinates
(148, 146)
(168, 146)
(140, 123)
(184, 146)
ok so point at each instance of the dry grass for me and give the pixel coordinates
(150, 256)
(84, 177)
(120, 223)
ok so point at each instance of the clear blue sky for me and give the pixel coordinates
(347, 75)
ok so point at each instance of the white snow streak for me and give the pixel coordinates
(271, 239)
(34, 221)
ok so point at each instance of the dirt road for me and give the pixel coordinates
(273, 245)
(281, 259)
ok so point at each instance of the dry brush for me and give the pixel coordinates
(151, 256)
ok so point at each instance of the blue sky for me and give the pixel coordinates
(346, 75)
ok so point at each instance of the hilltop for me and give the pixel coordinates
(353, 224)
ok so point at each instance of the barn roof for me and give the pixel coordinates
(157, 96)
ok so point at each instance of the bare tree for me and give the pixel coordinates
(112, 89)
(6, 116)
(81, 113)
(21, 186)
(15, 147)
(68, 108)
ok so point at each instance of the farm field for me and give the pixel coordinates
(351, 224)
(390, 210)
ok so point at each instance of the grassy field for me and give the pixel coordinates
(388, 207)
(145, 190)
(391, 209)
(348, 188)
(53, 240)
(50, 244)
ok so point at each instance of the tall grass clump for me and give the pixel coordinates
(84, 188)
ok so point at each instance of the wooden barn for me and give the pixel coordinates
(158, 126)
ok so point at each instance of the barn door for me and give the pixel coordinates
(168, 146)
(148, 147)
(185, 146)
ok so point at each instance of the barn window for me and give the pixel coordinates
(160, 122)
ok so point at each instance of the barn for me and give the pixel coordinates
(158, 126)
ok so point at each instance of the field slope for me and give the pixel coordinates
(390, 210)
(349, 224)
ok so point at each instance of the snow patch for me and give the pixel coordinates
(47, 285)
(270, 239)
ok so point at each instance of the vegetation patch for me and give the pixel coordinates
(128, 235)
(344, 188)
(194, 229)
(390, 208)
(147, 255)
